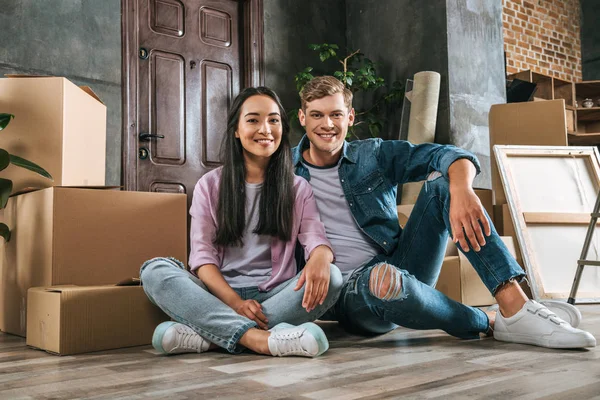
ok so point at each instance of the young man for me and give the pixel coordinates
(390, 272)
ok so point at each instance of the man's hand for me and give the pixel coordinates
(253, 310)
(467, 217)
(316, 276)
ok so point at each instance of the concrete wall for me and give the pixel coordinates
(411, 44)
(476, 76)
(290, 26)
(590, 39)
(78, 39)
(462, 40)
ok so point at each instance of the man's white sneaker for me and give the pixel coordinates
(535, 324)
(306, 340)
(562, 309)
(175, 338)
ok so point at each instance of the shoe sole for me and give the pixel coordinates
(567, 312)
(314, 329)
(319, 336)
(158, 335)
(526, 339)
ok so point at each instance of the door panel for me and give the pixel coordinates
(167, 104)
(183, 62)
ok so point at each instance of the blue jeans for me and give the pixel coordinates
(418, 259)
(183, 297)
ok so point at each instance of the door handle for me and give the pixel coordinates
(147, 136)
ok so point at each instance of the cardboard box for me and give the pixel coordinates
(76, 319)
(541, 123)
(504, 224)
(84, 237)
(459, 280)
(58, 126)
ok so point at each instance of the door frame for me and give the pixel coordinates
(253, 64)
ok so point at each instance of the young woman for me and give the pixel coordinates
(247, 216)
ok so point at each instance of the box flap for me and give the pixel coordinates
(34, 189)
(85, 88)
(89, 91)
(130, 282)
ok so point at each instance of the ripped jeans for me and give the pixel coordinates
(411, 300)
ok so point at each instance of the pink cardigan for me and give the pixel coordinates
(307, 229)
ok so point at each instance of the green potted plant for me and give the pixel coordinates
(6, 185)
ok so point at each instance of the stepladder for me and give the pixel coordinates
(583, 261)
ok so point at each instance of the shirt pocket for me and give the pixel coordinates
(374, 196)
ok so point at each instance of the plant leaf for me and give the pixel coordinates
(4, 120)
(6, 186)
(4, 159)
(23, 163)
(5, 232)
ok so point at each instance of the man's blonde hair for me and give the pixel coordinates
(323, 86)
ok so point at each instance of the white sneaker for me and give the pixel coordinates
(175, 338)
(306, 340)
(562, 309)
(535, 324)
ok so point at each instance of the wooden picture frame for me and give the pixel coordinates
(551, 192)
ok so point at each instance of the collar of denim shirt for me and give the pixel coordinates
(348, 152)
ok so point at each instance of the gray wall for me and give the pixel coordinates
(460, 39)
(399, 35)
(590, 39)
(290, 26)
(476, 76)
(78, 39)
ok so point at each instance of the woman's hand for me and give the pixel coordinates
(253, 310)
(316, 276)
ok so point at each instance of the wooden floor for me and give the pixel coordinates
(401, 364)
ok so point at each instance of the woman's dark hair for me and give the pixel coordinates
(276, 208)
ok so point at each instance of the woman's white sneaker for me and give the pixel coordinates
(175, 338)
(535, 324)
(306, 340)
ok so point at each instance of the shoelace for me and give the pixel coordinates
(187, 338)
(289, 342)
(545, 313)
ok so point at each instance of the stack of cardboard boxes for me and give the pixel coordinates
(73, 239)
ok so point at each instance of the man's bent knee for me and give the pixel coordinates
(385, 282)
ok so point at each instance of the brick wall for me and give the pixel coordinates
(544, 36)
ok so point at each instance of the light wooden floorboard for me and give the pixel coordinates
(401, 364)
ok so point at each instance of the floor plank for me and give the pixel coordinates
(401, 364)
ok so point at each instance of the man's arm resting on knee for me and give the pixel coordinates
(467, 215)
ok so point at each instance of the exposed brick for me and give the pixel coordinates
(544, 36)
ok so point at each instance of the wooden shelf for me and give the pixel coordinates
(588, 114)
(584, 139)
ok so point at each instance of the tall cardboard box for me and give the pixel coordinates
(84, 237)
(539, 123)
(57, 125)
(81, 319)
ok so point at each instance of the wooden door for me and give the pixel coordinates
(183, 62)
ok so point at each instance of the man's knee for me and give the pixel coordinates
(385, 282)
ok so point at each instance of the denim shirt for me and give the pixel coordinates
(370, 172)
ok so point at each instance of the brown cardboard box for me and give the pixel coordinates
(84, 237)
(81, 319)
(57, 125)
(459, 280)
(541, 123)
(504, 225)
